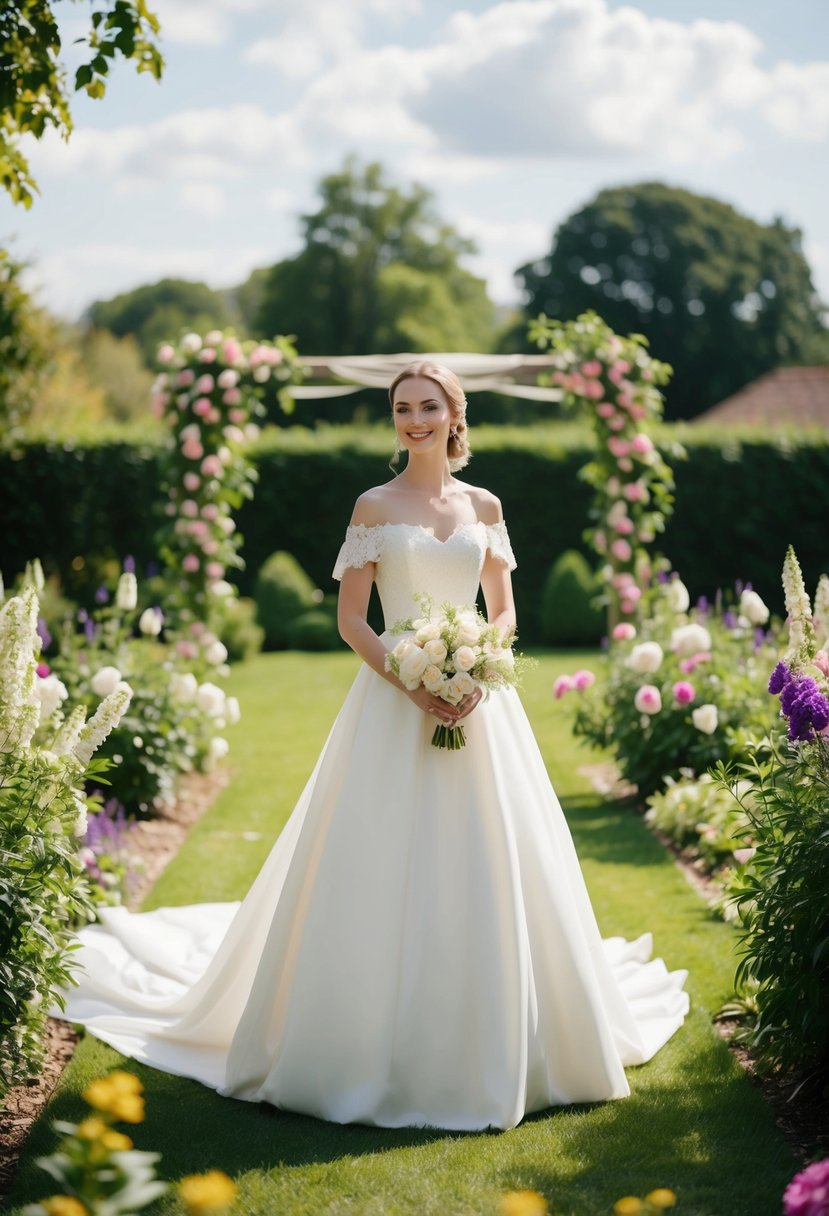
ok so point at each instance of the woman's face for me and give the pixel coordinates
(421, 413)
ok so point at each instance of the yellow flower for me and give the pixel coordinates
(124, 1082)
(92, 1128)
(64, 1205)
(661, 1198)
(116, 1142)
(628, 1206)
(99, 1094)
(129, 1108)
(210, 1192)
(522, 1203)
(117, 1094)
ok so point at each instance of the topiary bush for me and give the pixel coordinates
(239, 631)
(567, 614)
(314, 630)
(283, 592)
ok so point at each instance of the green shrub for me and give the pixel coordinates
(567, 615)
(314, 630)
(239, 631)
(283, 592)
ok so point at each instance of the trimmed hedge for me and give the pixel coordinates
(742, 497)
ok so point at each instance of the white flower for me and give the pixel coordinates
(218, 749)
(690, 639)
(705, 718)
(191, 343)
(433, 679)
(215, 653)
(228, 525)
(211, 699)
(232, 710)
(69, 732)
(150, 622)
(402, 649)
(645, 657)
(464, 658)
(126, 597)
(105, 681)
(752, 606)
(435, 651)
(469, 631)
(261, 373)
(429, 631)
(106, 717)
(678, 597)
(183, 686)
(221, 588)
(52, 692)
(413, 667)
(81, 817)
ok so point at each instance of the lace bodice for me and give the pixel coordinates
(410, 560)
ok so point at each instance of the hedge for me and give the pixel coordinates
(742, 497)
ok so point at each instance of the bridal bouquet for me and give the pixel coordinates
(449, 653)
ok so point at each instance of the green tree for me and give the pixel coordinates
(719, 296)
(25, 351)
(376, 261)
(33, 89)
(158, 312)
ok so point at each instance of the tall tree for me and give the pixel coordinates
(369, 249)
(33, 90)
(719, 296)
(157, 312)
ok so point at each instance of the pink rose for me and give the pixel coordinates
(623, 632)
(618, 447)
(231, 350)
(258, 355)
(199, 529)
(232, 396)
(648, 699)
(189, 508)
(618, 370)
(210, 547)
(624, 526)
(166, 353)
(192, 481)
(617, 423)
(635, 491)
(621, 550)
(238, 417)
(186, 376)
(633, 593)
(190, 564)
(641, 444)
(213, 416)
(637, 412)
(210, 511)
(592, 368)
(622, 579)
(593, 390)
(628, 607)
(684, 692)
(583, 679)
(215, 570)
(207, 355)
(211, 466)
(625, 400)
(562, 685)
(205, 384)
(605, 410)
(191, 449)
(202, 406)
(157, 404)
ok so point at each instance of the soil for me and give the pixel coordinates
(153, 842)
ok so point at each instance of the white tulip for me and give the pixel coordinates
(150, 622)
(126, 597)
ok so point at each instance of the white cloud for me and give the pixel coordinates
(202, 197)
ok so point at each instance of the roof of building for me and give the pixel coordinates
(790, 396)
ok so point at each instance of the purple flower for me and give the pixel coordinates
(90, 629)
(806, 708)
(101, 595)
(83, 616)
(730, 619)
(43, 633)
(759, 638)
(129, 564)
(662, 577)
(808, 1192)
(779, 677)
(702, 605)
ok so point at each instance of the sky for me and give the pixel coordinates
(513, 114)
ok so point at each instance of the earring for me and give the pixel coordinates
(453, 434)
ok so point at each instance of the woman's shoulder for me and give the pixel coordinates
(372, 508)
(487, 505)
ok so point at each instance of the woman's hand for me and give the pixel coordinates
(442, 711)
(464, 709)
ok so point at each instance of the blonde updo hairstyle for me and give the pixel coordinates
(457, 449)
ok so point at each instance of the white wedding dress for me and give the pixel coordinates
(419, 948)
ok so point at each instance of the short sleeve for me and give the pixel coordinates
(362, 544)
(497, 539)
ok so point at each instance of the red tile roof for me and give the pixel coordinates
(789, 396)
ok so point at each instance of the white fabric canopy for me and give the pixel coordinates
(478, 373)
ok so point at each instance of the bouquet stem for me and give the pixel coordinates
(450, 737)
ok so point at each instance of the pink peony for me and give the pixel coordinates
(623, 632)
(166, 353)
(621, 550)
(648, 699)
(238, 417)
(192, 481)
(211, 466)
(228, 378)
(617, 371)
(190, 563)
(215, 570)
(637, 412)
(686, 666)
(684, 692)
(157, 404)
(618, 447)
(641, 444)
(808, 1192)
(210, 547)
(632, 592)
(199, 529)
(622, 579)
(628, 607)
(213, 416)
(258, 355)
(562, 685)
(210, 511)
(583, 679)
(617, 424)
(626, 464)
(191, 449)
(605, 410)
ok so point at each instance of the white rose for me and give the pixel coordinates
(435, 651)
(752, 606)
(705, 718)
(51, 692)
(150, 622)
(505, 658)
(464, 683)
(402, 649)
(469, 631)
(126, 597)
(645, 657)
(464, 658)
(105, 681)
(413, 667)
(232, 710)
(215, 653)
(678, 597)
(451, 692)
(433, 679)
(211, 699)
(428, 632)
(183, 686)
(689, 639)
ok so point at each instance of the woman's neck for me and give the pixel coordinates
(432, 481)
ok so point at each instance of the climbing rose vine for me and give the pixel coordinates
(613, 381)
(210, 392)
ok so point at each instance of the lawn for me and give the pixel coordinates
(694, 1122)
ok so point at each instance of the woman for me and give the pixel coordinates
(419, 948)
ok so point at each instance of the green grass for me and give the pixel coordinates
(694, 1122)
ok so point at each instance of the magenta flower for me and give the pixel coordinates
(562, 685)
(592, 368)
(808, 1192)
(684, 692)
(583, 679)
(641, 444)
(623, 632)
(648, 699)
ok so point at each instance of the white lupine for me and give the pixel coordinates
(105, 681)
(33, 575)
(126, 597)
(69, 732)
(19, 645)
(821, 610)
(106, 717)
(801, 633)
(52, 693)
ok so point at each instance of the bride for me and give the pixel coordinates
(419, 948)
